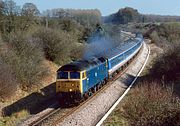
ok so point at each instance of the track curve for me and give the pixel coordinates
(100, 122)
(68, 112)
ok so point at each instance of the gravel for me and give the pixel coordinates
(35, 117)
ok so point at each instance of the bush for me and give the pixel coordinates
(151, 104)
(167, 66)
(25, 58)
(155, 37)
(8, 81)
(57, 44)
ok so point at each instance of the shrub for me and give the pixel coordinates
(57, 44)
(25, 59)
(167, 66)
(151, 104)
(8, 81)
(155, 37)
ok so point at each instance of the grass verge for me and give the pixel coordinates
(147, 104)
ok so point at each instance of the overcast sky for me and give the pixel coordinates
(163, 7)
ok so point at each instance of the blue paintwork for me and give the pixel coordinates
(99, 72)
(112, 62)
(95, 75)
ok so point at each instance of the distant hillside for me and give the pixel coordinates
(126, 15)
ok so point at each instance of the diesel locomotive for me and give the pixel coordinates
(79, 79)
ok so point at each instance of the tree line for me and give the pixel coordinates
(29, 38)
(127, 15)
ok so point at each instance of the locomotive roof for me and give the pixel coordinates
(81, 65)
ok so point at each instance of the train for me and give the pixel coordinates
(80, 79)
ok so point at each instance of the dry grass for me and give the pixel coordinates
(13, 119)
(148, 104)
(115, 119)
(167, 66)
(152, 104)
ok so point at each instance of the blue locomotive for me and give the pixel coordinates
(79, 79)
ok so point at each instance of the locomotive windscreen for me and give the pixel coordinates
(74, 75)
(62, 75)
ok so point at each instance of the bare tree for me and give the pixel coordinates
(30, 10)
(10, 11)
(29, 13)
(10, 8)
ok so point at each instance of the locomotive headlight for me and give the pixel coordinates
(70, 90)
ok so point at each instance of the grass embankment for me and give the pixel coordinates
(155, 99)
(14, 118)
(26, 60)
(147, 104)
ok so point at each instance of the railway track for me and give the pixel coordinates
(64, 112)
(57, 115)
(100, 122)
(84, 115)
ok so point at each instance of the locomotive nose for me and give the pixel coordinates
(68, 86)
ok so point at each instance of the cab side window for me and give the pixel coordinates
(84, 75)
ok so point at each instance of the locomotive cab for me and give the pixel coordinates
(69, 84)
(76, 79)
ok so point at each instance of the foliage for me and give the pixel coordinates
(14, 18)
(155, 101)
(29, 10)
(87, 18)
(8, 81)
(24, 57)
(154, 37)
(56, 44)
(29, 39)
(128, 15)
(10, 8)
(152, 104)
(29, 15)
(167, 66)
(14, 119)
(162, 34)
(9, 11)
